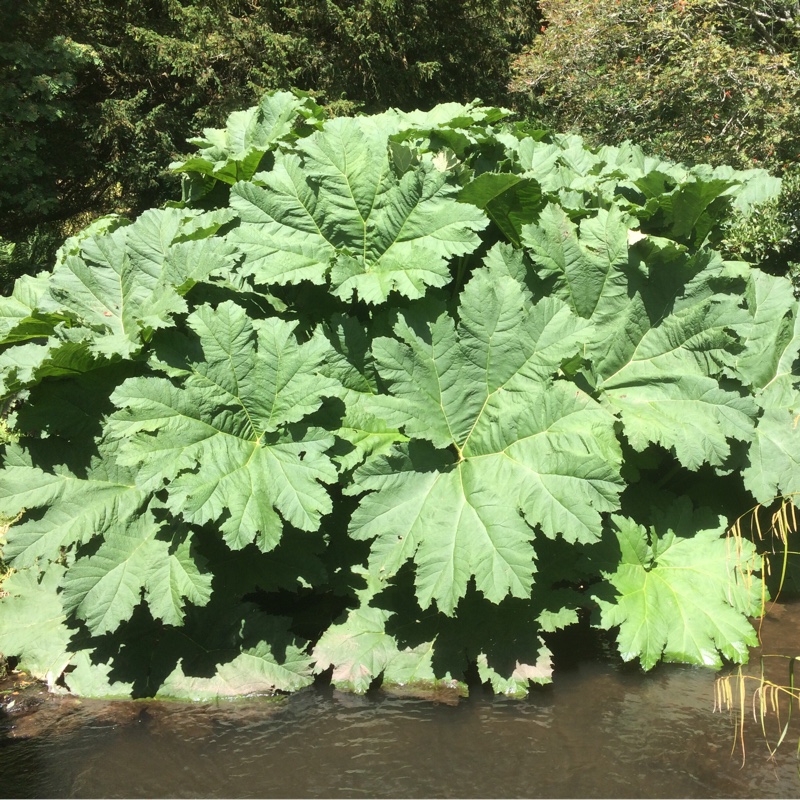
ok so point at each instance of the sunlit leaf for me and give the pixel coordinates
(681, 599)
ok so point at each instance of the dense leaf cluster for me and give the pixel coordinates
(392, 396)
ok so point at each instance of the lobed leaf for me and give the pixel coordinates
(221, 438)
(32, 623)
(357, 224)
(525, 453)
(103, 589)
(681, 599)
(232, 650)
(358, 649)
(774, 455)
(76, 508)
(235, 152)
(771, 336)
(587, 267)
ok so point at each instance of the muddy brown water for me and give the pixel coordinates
(600, 730)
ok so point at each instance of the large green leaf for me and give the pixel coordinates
(696, 207)
(230, 651)
(662, 376)
(224, 649)
(121, 284)
(358, 649)
(662, 381)
(76, 508)
(684, 203)
(32, 623)
(443, 378)
(87, 679)
(768, 361)
(20, 319)
(586, 262)
(254, 671)
(523, 452)
(689, 413)
(662, 337)
(108, 293)
(235, 152)
(350, 362)
(510, 201)
(66, 353)
(517, 684)
(771, 336)
(113, 288)
(454, 125)
(194, 261)
(681, 599)
(358, 224)
(774, 455)
(103, 589)
(220, 439)
(389, 637)
(504, 640)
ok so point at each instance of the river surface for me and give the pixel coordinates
(602, 729)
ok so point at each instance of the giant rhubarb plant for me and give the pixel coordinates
(387, 397)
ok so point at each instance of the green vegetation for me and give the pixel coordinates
(98, 97)
(393, 396)
(770, 235)
(694, 80)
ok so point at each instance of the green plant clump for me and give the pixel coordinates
(391, 398)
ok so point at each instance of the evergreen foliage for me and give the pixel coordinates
(97, 96)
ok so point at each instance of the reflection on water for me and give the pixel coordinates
(601, 730)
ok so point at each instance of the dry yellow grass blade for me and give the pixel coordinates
(775, 528)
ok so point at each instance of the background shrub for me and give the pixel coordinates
(691, 80)
(98, 96)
